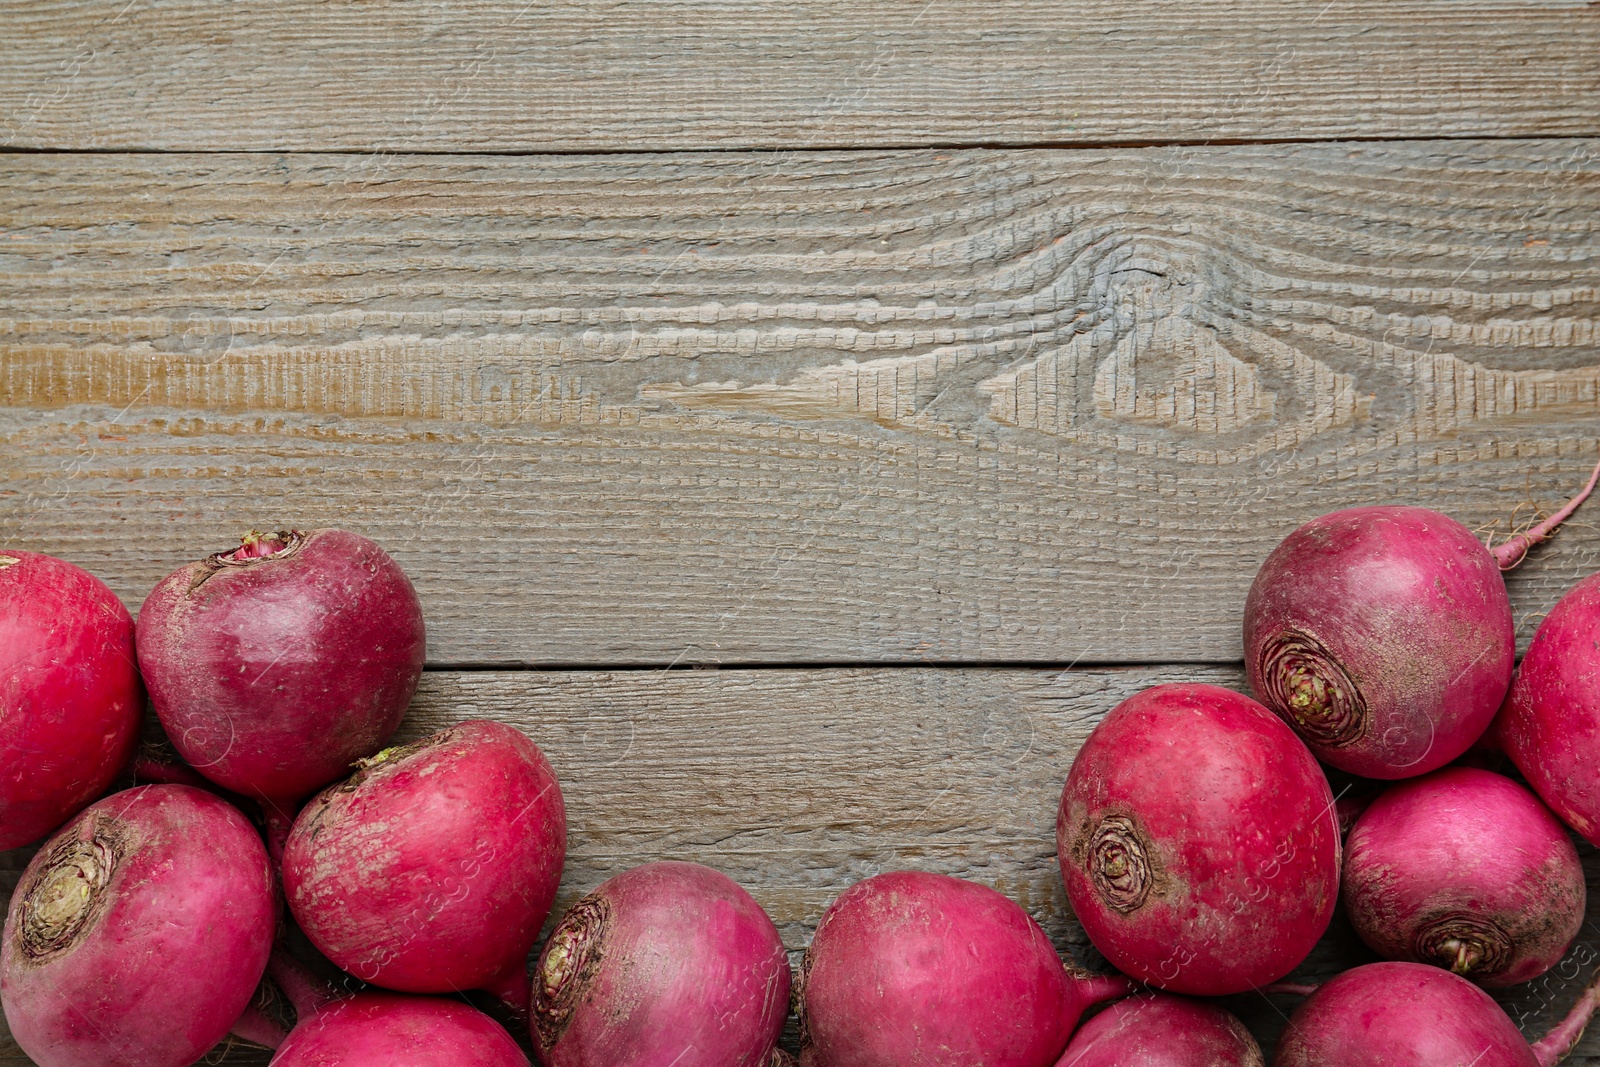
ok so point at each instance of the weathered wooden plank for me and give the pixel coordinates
(966, 406)
(798, 783)
(588, 76)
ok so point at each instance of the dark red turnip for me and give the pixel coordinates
(387, 1029)
(1413, 1015)
(922, 970)
(1198, 841)
(138, 934)
(432, 868)
(1466, 870)
(70, 697)
(1384, 635)
(275, 666)
(1550, 725)
(1161, 1030)
(669, 963)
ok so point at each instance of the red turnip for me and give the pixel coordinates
(1161, 1030)
(386, 1029)
(275, 666)
(1550, 725)
(1198, 841)
(431, 869)
(138, 934)
(669, 963)
(1466, 870)
(922, 970)
(1384, 635)
(1413, 1015)
(70, 697)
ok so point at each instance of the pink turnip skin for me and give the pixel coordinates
(909, 969)
(1413, 1015)
(1161, 1030)
(432, 868)
(138, 934)
(1384, 636)
(669, 963)
(388, 1029)
(275, 666)
(1466, 870)
(1550, 725)
(70, 696)
(1198, 841)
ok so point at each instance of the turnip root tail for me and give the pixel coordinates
(259, 1028)
(513, 988)
(306, 991)
(1553, 1047)
(1289, 989)
(1098, 988)
(1513, 551)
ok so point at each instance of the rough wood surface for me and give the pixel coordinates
(798, 783)
(1004, 407)
(601, 76)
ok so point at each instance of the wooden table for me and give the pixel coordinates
(804, 420)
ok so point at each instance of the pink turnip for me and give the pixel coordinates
(1384, 635)
(1550, 725)
(70, 697)
(909, 969)
(1161, 1030)
(1466, 870)
(1198, 841)
(138, 933)
(432, 868)
(669, 963)
(277, 665)
(386, 1029)
(1413, 1015)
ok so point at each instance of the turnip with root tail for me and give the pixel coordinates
(1466, 870)
(275, 666)
(138, 934)
(909, 969)
(1162, 1030)
(1413, 1015)
(432, 868)
(70, 696)
(1198, 841)
(1384, 635)
(1550, 725)
(666, 963)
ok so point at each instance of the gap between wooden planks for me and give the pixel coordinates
(799, 783)
(966, 406)
(599, 76)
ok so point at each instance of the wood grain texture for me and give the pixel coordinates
(1020, 406)
(601, 76)
(800, 783)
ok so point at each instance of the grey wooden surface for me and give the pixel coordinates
(847, 350)
(513, 75)
(964, 406)
(798, 783)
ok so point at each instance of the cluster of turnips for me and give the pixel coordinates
(269, 864)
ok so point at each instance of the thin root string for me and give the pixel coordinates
(1515, 550)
